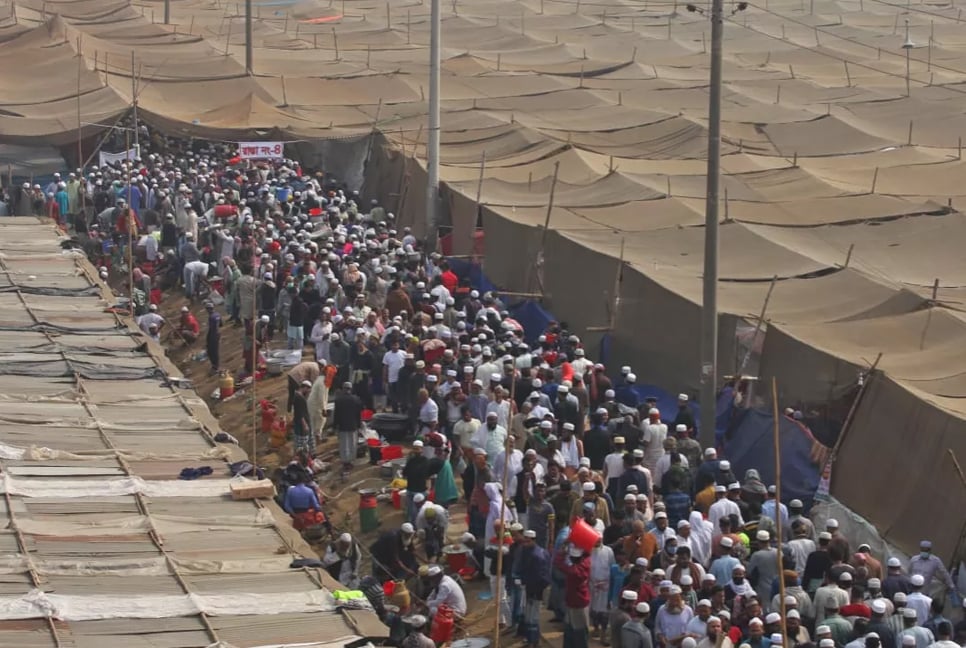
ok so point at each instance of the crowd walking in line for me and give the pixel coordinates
(536, 439)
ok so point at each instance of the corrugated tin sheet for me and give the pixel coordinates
(294, 581)
(33, 634)
(244, 631)
(124, 505)
(45, 408)
(114, 584)
(14, 585)
(182, 632)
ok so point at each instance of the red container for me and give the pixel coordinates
(217, 285)
(397, 498)
(388, 588)
(583, 535)
(391, 452)
(224, 211)
(268, 415)
(442, 628)
(367, 500)
(456, 561)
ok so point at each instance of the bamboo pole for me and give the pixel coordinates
(130, 229)
(758, 325)
(479, 196)
(546, 221)
(618, 280)
(254, 457)
(848, 417)
(778, 504)
(134, 105)
(925, 328)
(539, 259)
(503, 508)
(80, 67)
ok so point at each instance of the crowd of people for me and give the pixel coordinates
(534, 438)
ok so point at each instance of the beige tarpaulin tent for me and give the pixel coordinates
(835, 178)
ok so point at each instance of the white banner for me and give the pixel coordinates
(260, 150)
(106, 159)
(38, 604)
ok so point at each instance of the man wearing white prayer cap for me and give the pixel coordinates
(589, 496)
(621, 615)
(533, 579)
(444, 591)
(713, 632)
(342, 559)
(416, 637)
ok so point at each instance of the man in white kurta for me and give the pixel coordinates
(601, 559)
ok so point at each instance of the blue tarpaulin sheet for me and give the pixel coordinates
(474, 272)
(532, 317)
(724, 411)
(667, 403)
(749, 443)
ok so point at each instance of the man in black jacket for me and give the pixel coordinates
(347, 418)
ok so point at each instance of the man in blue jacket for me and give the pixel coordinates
(534, 570)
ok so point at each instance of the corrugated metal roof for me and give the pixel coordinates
(119, 405)
(182, 632)
(130, 585)
(293, 581)
(32, 634)
(243, 631)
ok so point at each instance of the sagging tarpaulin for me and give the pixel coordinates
(750, 443)
(908, 485)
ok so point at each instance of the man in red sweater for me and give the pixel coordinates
(448, 277)
(188, 326)
(575, 565)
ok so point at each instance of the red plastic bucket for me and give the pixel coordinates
(391, 452)
(224, 211)
(456, 561)
(583, 535)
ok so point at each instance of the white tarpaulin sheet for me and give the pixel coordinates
(11, 452)
(18, 564)
(57, 488)
(39, 604)
(338, 643)
(34, 453)
(111, 158)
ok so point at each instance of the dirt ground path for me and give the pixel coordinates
(237, 417)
